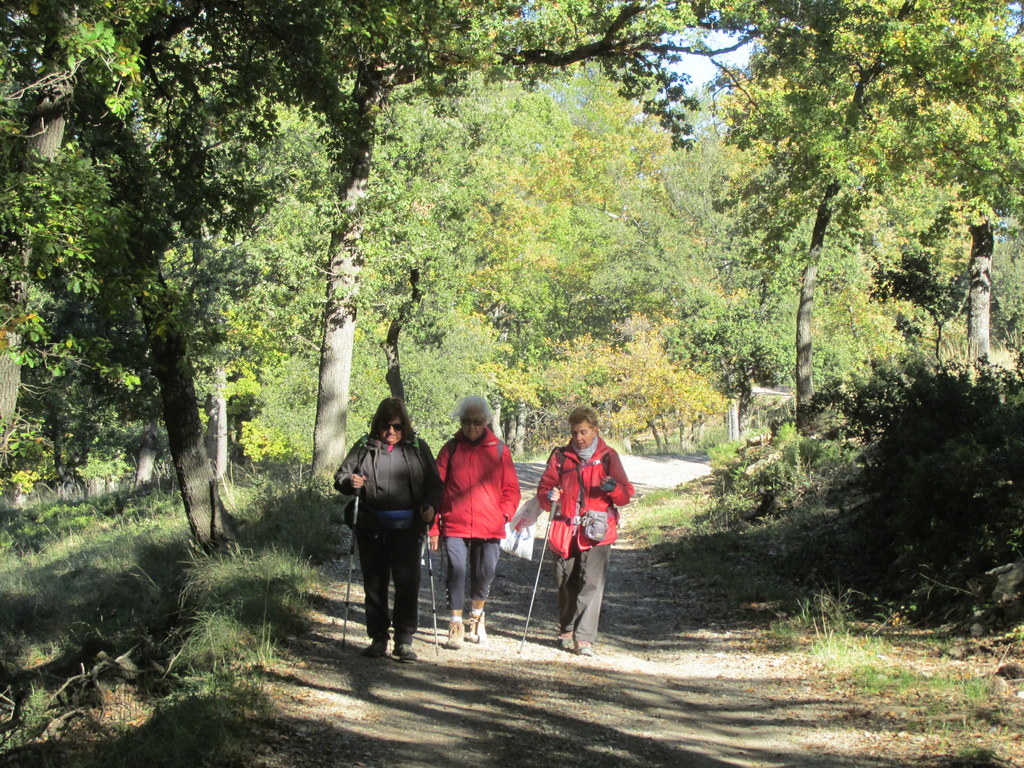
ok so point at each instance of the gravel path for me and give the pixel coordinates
(668, 688)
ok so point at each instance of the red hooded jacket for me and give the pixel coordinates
(481, 490)
(580, 484)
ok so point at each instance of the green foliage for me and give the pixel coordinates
(207, 716)
(240, 607)
(780, 478)
(942, 467)
(283, 405)
(723, 454)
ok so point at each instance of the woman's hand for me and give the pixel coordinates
(358, 481)
(434, 543)
(554, 494)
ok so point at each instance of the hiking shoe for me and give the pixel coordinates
(585, 649)
(377, 649)
(476, 633)
(404, 652)
(565, 641)
(456, 632)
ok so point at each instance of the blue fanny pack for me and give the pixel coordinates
(394, 519)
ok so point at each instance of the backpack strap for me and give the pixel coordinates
(450, 445)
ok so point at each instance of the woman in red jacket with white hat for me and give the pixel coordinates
(481, 494)
(587, 481)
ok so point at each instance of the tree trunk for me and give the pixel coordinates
(345, 262)
(146, 463)
(392, 357)
(743, 402)
(519, 431)
(217, 425)
(393, 374)
(496, 421)
(805, 312)
(733, 420)
(212, 527)
(43, 142)
(657, 438)
(978, 336)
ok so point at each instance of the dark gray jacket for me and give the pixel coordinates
(403, 478)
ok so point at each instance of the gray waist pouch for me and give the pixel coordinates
(595, 525)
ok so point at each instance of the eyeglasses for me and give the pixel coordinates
(397, 426)
(466, 422)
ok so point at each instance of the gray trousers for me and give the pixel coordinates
(580, 579)
(482, 555)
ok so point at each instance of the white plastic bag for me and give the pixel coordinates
(520, 543)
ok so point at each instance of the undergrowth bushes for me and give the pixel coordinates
(943, 467)
(915, 494)
(118, 576)
(785, 475)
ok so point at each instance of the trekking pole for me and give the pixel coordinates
(536, 581)
(351, 560)
(433, 603)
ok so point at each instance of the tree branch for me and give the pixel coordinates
(698, 51)
(605, 47)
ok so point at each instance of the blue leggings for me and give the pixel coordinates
(483, 563)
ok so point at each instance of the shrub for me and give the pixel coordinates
(943, 467)
(769, 480)
(242, 606)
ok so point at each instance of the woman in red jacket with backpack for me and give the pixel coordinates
(481, 494)
(587, 482)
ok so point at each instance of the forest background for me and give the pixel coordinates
(229, 231)
(543, 242)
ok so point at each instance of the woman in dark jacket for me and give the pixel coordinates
(481, 494)
(587, 481)
(394, 474)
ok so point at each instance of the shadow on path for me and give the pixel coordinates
(662, 692)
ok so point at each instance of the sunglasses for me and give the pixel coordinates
(473, 422)
(397, 426)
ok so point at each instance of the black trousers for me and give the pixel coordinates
(580, 579)
(391, 557)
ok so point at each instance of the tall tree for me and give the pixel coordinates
(437, 45)
(833, 86)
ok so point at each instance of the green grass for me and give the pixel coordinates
(241, 607)
(95, 586)
(204, 722)
(732, 563)
(120, 576)
(863, 648)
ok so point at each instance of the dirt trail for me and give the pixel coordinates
(668, 688)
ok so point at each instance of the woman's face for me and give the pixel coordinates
(473, 424)
(391, 432)
(583, 435)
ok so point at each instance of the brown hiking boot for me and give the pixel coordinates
(456, 632)
(475, 631)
